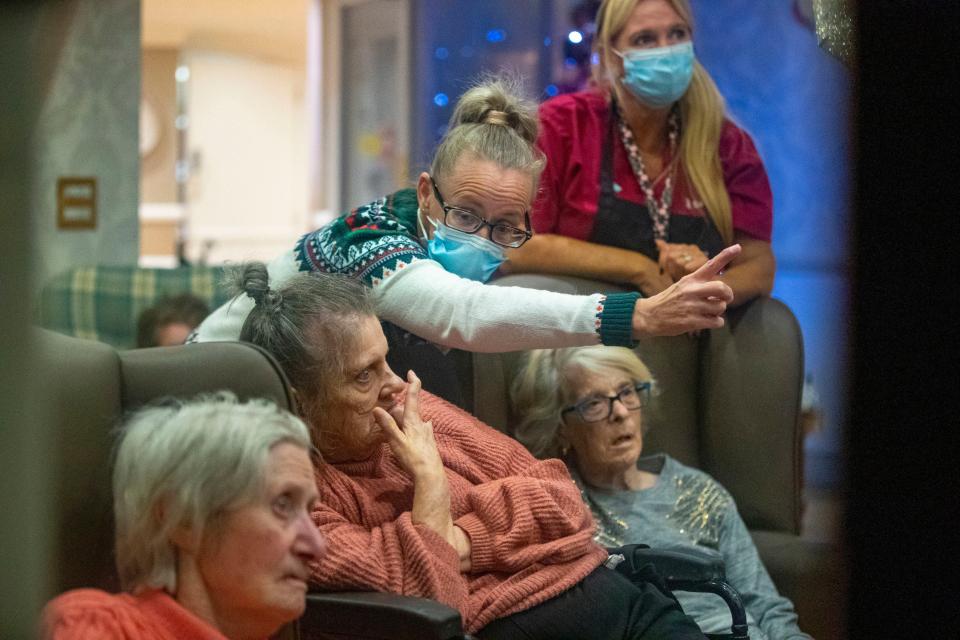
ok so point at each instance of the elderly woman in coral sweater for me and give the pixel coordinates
(419, 498)
(212, 501)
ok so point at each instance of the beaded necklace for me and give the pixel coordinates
(659, 209)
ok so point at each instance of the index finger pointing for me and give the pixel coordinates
(712, 267)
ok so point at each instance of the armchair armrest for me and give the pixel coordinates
(684, 571)
(678, 566)
(377, 616)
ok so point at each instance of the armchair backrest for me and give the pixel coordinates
(90, 387)
(104, 302)
(728, 401)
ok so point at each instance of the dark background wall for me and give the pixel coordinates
(902, 442)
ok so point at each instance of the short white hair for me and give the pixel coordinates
(186, 463)
(542, 387)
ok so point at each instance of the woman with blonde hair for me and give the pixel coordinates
(426, 252)
(646, 178)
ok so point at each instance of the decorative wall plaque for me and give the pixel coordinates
(77, 203)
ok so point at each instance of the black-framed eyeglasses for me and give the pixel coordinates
(597, 408)
(469, 222)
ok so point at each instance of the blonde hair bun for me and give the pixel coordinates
(498, 100)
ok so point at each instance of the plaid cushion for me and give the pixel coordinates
(103, 303)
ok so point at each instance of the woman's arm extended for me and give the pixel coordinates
(427, 300)
(432, 303)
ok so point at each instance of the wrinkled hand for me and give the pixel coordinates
(412, 442)
(695, 302)
(410, 438)
(650, 284)
(678, 260)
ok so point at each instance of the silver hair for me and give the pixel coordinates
(308, 310)
(542, 387)
(185, 464)
(493, 121)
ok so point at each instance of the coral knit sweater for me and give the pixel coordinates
(89, 614)
(530, 532)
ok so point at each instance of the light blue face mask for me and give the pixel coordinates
(464, 254)
(658, 77)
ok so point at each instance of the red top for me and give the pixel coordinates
(573, 128)
(90, 614)
(531, 535)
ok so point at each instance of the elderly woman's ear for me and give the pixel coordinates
(302, 406)
(183, 538)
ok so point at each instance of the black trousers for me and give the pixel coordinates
(603, 606)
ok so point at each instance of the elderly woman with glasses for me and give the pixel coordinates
(585, 405)
(427, 252)
(214, 540)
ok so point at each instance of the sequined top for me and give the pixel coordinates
(687, 509)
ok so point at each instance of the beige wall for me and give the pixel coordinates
(87, 126)
(247, 195)
(158, 88)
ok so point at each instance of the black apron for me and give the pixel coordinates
(625, 224)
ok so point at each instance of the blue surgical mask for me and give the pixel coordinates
(464, 254)
(658, 77)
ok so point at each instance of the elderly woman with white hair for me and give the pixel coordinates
(213, 531)
(585, 405)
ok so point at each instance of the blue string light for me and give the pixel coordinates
(552, 90)
(441, 53)
(575, 37)
(547, 41)
(496, 35)
(441, 99)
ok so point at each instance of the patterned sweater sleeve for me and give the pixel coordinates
(397, 557)
(527, 511)
(773, 613)
(444, 308)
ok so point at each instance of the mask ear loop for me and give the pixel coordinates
(423, 230)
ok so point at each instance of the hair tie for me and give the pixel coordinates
(272, 299)
(495, 116)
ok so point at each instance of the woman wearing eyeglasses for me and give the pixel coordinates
(646, 177)
(426, 252)
(586, 406)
